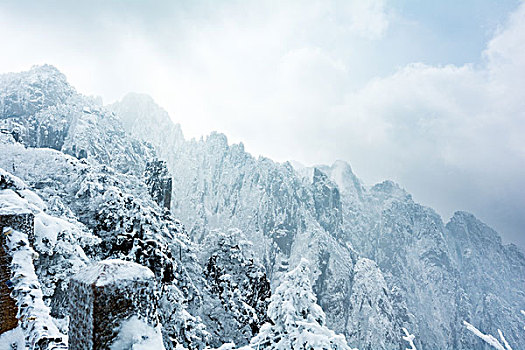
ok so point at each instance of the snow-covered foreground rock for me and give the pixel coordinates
(378, 263)
(94, 206)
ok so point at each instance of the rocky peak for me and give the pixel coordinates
(390, 190)
(146, 120)
(342, 174)
(466, 226)
(30, 91)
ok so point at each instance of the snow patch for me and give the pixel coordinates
(135, 334)
(13, 339)
(113, 270)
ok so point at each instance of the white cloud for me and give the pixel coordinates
(368, 18)
(452, 134)
(286, 78)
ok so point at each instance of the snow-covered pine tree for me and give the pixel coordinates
(238, 290)
(298, 323)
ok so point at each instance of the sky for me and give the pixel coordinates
(430, 94)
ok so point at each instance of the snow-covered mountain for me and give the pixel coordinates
(377, 261)
(326, 214)
(93, 184)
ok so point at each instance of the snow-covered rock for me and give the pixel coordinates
(240, 283)
(41, 109)
(372, 322)
(135, 334)
(108, 298)
(36, 323)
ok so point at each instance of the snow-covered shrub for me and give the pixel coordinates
(238, 287)
(297, 322)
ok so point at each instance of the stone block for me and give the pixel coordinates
(104, 295)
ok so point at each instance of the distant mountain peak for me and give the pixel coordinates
(465, 223)
(391, 189)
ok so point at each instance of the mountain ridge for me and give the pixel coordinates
(365, 244)
(384, 200)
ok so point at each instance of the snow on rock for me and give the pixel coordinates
(103, 296)
(135, 334)
(30, 91)
(40, 109)
(13, 339)
(113, 271)
(239, 282)
(58, 241)
(35, 320)
(129, 225)
(372, 323)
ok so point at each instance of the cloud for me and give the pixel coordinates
(313, 81)
(368, 18)
(453, 135)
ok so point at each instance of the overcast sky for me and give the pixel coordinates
(430, 94)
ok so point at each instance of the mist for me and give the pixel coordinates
(431, 99)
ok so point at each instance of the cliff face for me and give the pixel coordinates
(159, 181)
(490, 301)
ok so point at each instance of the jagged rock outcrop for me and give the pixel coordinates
(159, 182)
(41, 109)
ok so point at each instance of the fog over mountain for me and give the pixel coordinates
(426, 94)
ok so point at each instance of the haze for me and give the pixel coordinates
(429, 94)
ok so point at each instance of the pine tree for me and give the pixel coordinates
(238, 288)
(298, 323)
